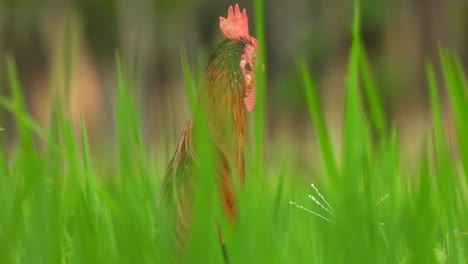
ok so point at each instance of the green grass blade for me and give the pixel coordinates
(458, 102)
(353, 123)
(260, 87)
(447, 190)
(19, 108)
(461, 121)
(376, 110)
(189, 83)
(129, 138)
(29, 123)
(320, 128)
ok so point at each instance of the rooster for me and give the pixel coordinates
(227, 93)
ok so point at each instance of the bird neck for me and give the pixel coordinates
(222, 101)
(225, 116)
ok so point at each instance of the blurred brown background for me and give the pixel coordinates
(68, 48)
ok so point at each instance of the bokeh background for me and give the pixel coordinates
(68, 48)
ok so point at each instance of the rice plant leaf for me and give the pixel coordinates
(260, 88)
(453, 77)
(376, 110)
(316, 116)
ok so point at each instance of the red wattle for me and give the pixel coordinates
(249, 99)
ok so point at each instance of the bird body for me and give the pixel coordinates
(227, 93)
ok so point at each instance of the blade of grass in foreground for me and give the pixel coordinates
(134, 201)
(458, 103)
(320, 128)
(24, 165)
(355, 206)
(420, 235)
(24, 119)
(123, 120)
(7, 217)
(188, 79)
(462, 122)
(130, 143)
(19, 107)
(447, 189)
(280, 188)
(445, 183)
(456, 87)
(376, 110)
(260, 81)
(352, 123)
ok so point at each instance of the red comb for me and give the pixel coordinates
(236, 25)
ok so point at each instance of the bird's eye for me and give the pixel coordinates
(247, 67)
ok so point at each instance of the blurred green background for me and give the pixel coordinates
(69, 47)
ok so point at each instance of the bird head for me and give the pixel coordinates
(236, 28)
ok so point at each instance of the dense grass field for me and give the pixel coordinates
(60, 205)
